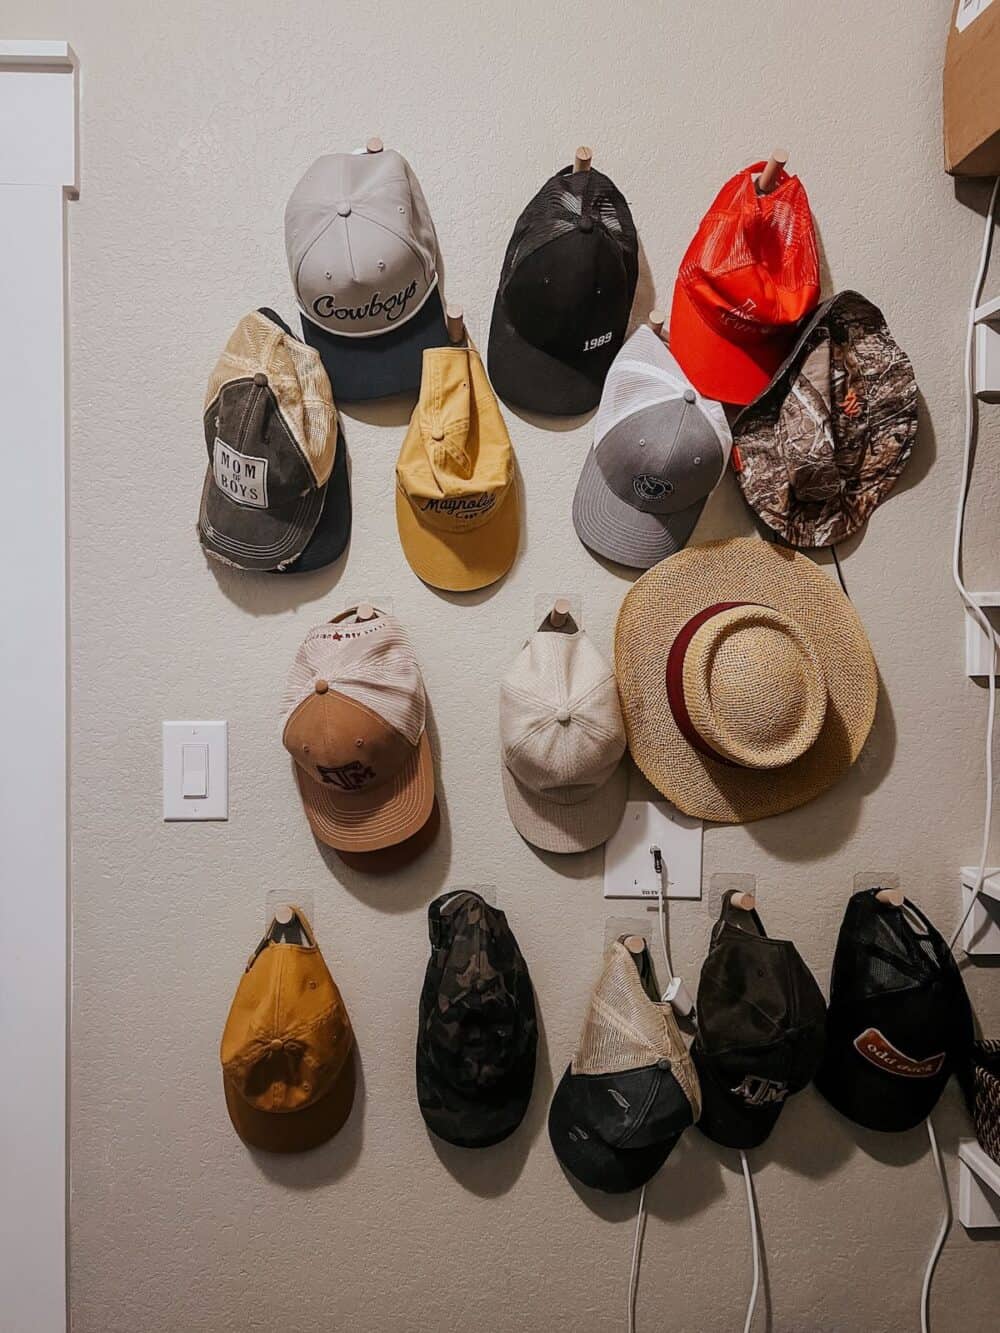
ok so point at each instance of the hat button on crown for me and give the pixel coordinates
(275, 1045)
(437, 433)
(689, 395)
(563, 716)
(260, 378)
(344, 209)
(585, 223)
(321, 686)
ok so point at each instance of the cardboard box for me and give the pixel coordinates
(972, 89)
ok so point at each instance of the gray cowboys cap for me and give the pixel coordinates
(362, 254)
(660, 448)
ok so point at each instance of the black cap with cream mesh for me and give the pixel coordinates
(565, 293)
(631, 1088)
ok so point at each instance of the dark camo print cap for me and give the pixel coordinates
(478, 1030)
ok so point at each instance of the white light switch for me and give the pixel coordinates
(195, 770)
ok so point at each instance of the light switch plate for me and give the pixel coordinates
(981, 932)
(629, 871)
(195, 760)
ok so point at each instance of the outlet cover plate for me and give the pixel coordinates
(628, 862)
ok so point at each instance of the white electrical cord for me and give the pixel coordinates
(974, 610)
(983, 622)
(942, 1236)
(754, 1239)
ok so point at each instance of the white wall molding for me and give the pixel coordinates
(38, 171)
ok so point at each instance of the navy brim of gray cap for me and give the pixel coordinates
(556, 827)
(360, 369)
(613, 529)
(333, 531)
(592, 1161)
(473, 1122)
(529, 378)
(724, 1118)
(256, 539)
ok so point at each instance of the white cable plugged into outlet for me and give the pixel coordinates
(982, 620)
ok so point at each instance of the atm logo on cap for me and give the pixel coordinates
(757, 1091)
(879, 1051)
(390, 307)
(348, 777)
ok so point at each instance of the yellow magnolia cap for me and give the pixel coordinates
(456, 493)
(287, 1048)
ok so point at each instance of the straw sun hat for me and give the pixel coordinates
(747, 681)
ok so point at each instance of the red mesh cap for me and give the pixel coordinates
(748, 277)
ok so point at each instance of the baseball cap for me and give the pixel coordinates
(761, 1026)
(272, 437)
(354, 712)
(478, 1031)
(457, 507)
(827, 440)
(747, 278)
(563, 742)
(899, 1021)
(631, 1088)
(287, 1048)
(363, 258)
(565, 292)
(659, 450)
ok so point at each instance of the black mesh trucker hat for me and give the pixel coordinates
(761, 1024)
(630, 1090)
(899, 1021)
(565, 294)
(478, 1030)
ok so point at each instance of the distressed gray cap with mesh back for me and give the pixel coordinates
(659, 450)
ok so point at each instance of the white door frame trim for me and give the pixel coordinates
(38, 172)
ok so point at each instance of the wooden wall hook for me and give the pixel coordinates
(283, 914)
(746, 902)
(768, 178)
(635, 944)
(582, 158)
(559, 613)
(454, 318)
(657, 319)
(365, 611)
(374, 144)
(892, 897)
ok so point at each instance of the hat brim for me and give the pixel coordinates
(382, 365)
(473, 1122)
(529, 378)
(743, 569)
(368, 822)
(890, 443)
(333, 531)
(460, 561)
(556, 827)
(617, 531)
(256, 539)
(872, 1097)
(294, 1131)
(389, 860)
(593, 1162)
(724, 1118)
(730, 372)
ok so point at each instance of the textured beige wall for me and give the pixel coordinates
(196, 122)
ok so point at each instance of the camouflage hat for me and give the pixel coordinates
(825, 442)
(478, 1031)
